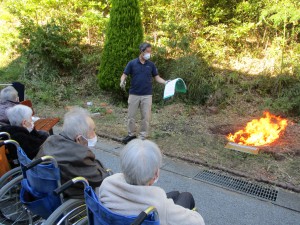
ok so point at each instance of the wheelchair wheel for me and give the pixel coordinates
(83, 221)
(12, 210)
(72, 211)
(10, 175)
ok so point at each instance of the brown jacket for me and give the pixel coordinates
(73, 160)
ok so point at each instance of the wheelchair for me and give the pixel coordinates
(7, 173)
(28, 198)
(4, 164)
(97, 213)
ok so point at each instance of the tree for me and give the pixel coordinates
(53, 33)
(123, 36)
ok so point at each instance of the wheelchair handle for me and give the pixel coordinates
(10, 142)
(5, 134)
(40, 160)
(69, 183)
(143, 215)
(32, 164)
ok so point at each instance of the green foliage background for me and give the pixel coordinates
(56, 47)
(123, 36)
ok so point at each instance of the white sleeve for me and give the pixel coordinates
(179, 215)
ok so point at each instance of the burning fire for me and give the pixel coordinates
(260, 131)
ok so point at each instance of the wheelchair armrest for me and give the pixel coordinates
(63, 187)
(32, 164)
(40, 160)
(69, 183)
(7, 135)
(140, 219)
(9, 142)
(143, 215)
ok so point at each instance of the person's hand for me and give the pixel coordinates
(167, 81)
(123, 85)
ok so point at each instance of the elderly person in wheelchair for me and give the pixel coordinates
(8, 98)
(22, 130)
(132, 191)
(71, 149)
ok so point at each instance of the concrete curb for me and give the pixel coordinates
(110, 137)
(203, 163)
(236, 173)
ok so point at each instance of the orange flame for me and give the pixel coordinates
(260, 131)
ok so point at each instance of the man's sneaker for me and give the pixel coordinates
(128, 139)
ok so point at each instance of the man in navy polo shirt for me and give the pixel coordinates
(142, 72)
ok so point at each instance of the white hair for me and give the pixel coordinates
(9, 94)
(77, 122)
(18, 113)
(140, 160)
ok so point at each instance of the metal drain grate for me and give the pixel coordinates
(238, 185)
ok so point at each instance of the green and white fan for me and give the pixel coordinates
(176, 85)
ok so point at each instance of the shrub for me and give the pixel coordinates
(289, 100)
(197, 76)
(282, 92)
(51, 43)
(124, 34)
(194, 71)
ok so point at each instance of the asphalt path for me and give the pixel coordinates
(217, 205)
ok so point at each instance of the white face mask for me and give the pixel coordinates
(93, 141)
(147, 56)
(31, 127)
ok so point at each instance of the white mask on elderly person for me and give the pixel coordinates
(91, 141)
(146, 56)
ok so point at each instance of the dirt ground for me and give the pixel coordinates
(200, 133)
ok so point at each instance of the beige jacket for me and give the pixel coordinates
(120, 197)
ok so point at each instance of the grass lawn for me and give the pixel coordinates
(195, 132)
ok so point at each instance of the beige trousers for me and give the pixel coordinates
(143, 102)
